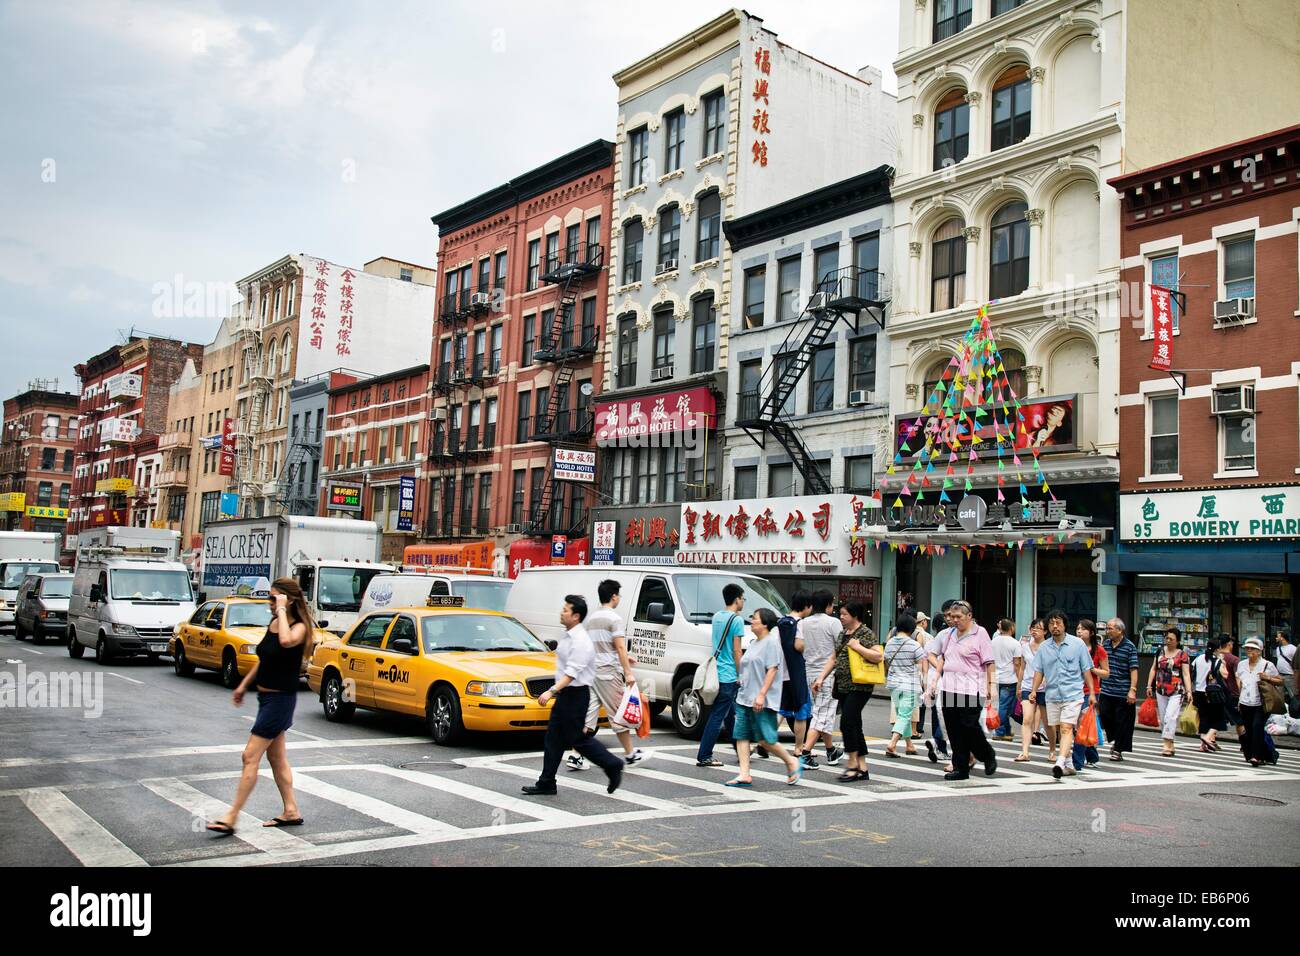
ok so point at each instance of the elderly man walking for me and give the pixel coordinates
(1118, 701)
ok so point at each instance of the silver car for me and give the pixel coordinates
(41, 609)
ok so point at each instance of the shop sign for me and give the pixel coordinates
(1052, 511)
(559, 544)
(227, 446)
(344, 497)
(604, 535)
(1162, 328)
(1219, 514)
(574, 464)
(646, 535)
(58, 514)
(661, 414)
(124, 385)
(406, 503)
(119, 431)
(115, 486)
(13, 501)
(1049, 427)
(972, 512)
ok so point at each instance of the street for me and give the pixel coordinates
(134, 785)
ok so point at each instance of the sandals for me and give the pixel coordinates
(795, 776)
(221, 829)
(711, 762)
(1022, 758)
(893, 754)
(739, 783)
(282, 822)
(851, 776)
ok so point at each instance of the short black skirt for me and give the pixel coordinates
(274, 713)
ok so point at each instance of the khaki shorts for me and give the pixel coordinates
(823, 705)
(1064, 712)
(606, 691)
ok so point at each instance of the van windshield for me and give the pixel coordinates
(149, 584)
(56, 587)
(701, 595)
(484, 595)
(340, 589)
(476, 632)
(15, 571)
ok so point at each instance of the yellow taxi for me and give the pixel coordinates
(458, 668)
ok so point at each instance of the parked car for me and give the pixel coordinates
(42, 608)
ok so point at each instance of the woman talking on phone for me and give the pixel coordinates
(275, 674)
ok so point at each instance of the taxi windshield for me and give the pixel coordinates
(130, 584)
(476, 632)
(485, 595)
(248, 614)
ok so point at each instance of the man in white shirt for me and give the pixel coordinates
(1008, 658)
(819, 632)
(575, 668)
(1286, 662)
(613, 673)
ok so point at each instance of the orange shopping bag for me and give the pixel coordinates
(1086, 734)
(1147, 714)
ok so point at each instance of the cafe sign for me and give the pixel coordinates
(1218, 514)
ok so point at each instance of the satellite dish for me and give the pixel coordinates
(586, 388)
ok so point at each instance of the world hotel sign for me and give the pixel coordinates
(1218, 514)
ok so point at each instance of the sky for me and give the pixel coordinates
(152, 150)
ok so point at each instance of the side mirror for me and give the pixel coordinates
(323, 625)
(402, 645)
(551, 645)
(202, 597)
(96, 595)
(660, 613)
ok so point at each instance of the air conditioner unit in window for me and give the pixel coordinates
(661, 374)
(668, 265)
(819, 300)
(514, 529)
(1233, 310)
(1235, 400)
(480, 298)
(859, 396)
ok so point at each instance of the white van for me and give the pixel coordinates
(480, 591)
(23, 553)
(667, 612)
(128, 593)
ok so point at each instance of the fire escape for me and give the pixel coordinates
(296, 491)
(567, 344)
(845, 294)
(454, 442)
(259, 382)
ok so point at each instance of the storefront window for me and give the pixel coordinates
(1172, 601)
(1066, 582)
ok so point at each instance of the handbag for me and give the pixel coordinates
(1272, 698)
(705, 683)
(1216, 691)
(862, 671)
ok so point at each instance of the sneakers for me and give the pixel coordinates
(809, 760)
(576, 762)
(1057, 772)
(991, 766)
(929, 749)
(1070, 771)
(636, 756)
(956, 775)
(833, 755)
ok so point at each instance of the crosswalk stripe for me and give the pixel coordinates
(708, 786)
(807, 782)
(482, 795)
(370, 806)
(101, 756)
(248, 828)
(85, 839)
(583, 786)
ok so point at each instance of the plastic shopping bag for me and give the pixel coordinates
(1101, 733)
(1148, 716)
(630, 711)
(991, 719)
(643, 728)
(1189, 721)
(1086, 734)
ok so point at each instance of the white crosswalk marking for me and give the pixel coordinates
(85, 839)
(248, 828)
(584, 786)
(360, 802)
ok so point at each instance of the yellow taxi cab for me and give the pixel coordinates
(458, 668)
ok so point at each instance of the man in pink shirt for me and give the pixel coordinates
(966, 669)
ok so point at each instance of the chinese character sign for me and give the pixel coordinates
(761, 93)
(1162, 328)
(227, 446)
(406, 503)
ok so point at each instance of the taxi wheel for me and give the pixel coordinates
(443, 716)
(75, 647)
(184, 667)
(336, 708)
(229, 670)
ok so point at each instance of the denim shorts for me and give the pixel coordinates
(274, 713)
(758, 728)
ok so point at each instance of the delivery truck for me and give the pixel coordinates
(23, 553)
(333, 559)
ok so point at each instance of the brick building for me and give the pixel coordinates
(374, 432)
(124, 395)
(1210, 448)
(36, 458)
(516, 353)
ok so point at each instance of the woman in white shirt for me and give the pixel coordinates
(1250, 672)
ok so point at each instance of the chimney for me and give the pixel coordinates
(870, 74)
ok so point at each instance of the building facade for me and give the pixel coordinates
(36, 458)
(1209, 410)
(517, 356)
(308, 406)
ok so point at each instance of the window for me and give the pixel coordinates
(670, 236)
(480, 352)
(627, 349)
(517, 496)
(44, 493)
(950, 18)
(674, 139)
(572, 244)
(1011, 98)
(67, 460)
(857, 475)
(746, 483)
(475, 425)
(665, 332)
(521, 425)
(593, 240)
(787, 289)
(536, 480)
(381, 453)
(780, 481)
(715, 120)
(1004, 6)
(588, 323)
(1162, 431)
(484, 274)
(500, 269)
(821, 387)
(444, 362)
(1237, 442)
(490, 430)
(751, 374)
(484, 502)
(406, 275)
(371, 633)
(633, 240)
(948, 266)
(755, 291)
(494, 364)
(47, 458)
(866, 259)
(638, 147)
(467, 505)
(704, 333)
(653, 591)
(1013, 362)
(826, 262)
(448, 505)
(709, 227)
(1009, 252)
(526, 356)
(780, 364)
(65, 493)
(534, 258)
(553, 251)
(951, 129)
(1239, 268)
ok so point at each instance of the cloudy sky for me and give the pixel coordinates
(144, 142)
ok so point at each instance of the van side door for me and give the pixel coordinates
(648, 639)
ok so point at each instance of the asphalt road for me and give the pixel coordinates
(133, 785)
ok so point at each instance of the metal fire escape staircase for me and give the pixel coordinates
(250, 484)
(305, 449)
(569, 271)
(846, 294)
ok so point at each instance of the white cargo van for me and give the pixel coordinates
(23, 553)
(480, 591)
(668, 614)
(129, 592)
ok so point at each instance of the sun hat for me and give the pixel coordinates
(1253, 642)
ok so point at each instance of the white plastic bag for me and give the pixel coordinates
(629, 711)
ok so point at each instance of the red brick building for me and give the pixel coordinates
(1210, 449)
(522, 298)
(124, 394)
(36, 458)
(374, 438)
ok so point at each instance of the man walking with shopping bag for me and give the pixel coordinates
(613, 674)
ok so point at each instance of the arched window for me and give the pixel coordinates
(932, 379)
(1009, 251)
(1011, 100)
(1013, 361)
(286, 353)
(951, 129)
(948, 266)
(270, 359)
(633, 243)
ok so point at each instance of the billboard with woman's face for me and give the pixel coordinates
(1049, 426)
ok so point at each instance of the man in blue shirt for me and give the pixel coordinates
(1059, 667)
(1117, 704)
(728, 631)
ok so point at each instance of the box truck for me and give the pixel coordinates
(23, 553)
(333, 559)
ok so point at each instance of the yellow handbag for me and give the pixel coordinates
(863, 671)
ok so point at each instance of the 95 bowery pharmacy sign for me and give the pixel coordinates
(1220, 514)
